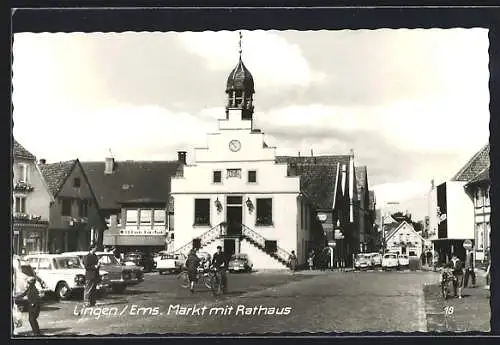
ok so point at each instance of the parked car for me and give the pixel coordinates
(63, 274)
(390, 261)
(362, 261)
(376, 259)
(403, 260)
(22, 271)
(140, 259)
(120, 276)
(169, 262)
(240, 263)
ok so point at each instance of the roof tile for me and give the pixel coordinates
(475, 165)
(56, 173)
(131, 180)
(20, 152)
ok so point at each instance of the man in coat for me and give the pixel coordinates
(469, 269)
(91, 263)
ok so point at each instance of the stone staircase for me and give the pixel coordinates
(253, 237)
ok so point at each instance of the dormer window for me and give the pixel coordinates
(76, 182)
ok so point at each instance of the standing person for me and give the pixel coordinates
(469, 269)
(91, 263)
(192, 263)
(31, 292)
(458, 273)
(310, 260)
(219, 262)
(292, 261)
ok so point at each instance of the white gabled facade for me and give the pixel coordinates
(234, 194)
(404, 239)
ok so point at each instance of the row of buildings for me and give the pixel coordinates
(235, 192)
(459, 210)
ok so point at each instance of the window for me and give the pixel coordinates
(234, 173)
(76, 182)
(271, 246)
(238, 97)
(159, 216)
(252, 176)
(83, 208)
(44, 264)
(217, 176)
(146, 216)
(202, 211)
(479, 197)
(22, 173)
(66, 207)
(20, 204)
(487, 197)
(265, 211)
(480, 236)
(171, 222)
(234, 200)
(196, 243)
(132, 216)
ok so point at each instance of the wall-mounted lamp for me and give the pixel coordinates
(218, 205)
(249, 205)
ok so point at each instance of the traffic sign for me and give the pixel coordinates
(332, 243)
(467, 244)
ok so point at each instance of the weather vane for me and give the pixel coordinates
(241, 36)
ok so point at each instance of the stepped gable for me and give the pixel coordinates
(139, 181)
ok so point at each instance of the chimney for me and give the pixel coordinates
(42, 161)
(109, 165)
(181, 157)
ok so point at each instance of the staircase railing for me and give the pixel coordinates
(261, 241)
(205, 238)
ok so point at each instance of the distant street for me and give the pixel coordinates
(319, 302)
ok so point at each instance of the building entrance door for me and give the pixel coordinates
(234, 215)
(229, 248)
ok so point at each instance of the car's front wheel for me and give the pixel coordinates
(63, 291)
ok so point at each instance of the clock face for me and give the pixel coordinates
(234, 145)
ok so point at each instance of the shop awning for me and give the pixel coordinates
(133, 240)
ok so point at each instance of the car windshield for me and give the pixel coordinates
(239, 257)
(362, 256)
(404, 256)
(108, 259)
(168, 257)
(390, 256)
(67, 262)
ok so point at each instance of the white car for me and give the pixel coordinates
(404, 260)
(362, 261)
(376, 259)
(63, 274)
(169, 262)
(390, 261)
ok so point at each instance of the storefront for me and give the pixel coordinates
(30, 237)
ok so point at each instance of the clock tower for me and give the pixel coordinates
(240, 90)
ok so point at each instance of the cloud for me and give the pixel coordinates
(271, 59)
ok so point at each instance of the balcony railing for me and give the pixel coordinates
(22, 186)
(28, 218)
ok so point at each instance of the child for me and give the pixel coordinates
(33, 304)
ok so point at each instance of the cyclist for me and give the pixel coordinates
(192, 264)
(220, 265)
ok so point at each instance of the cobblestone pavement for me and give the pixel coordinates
(323, 302)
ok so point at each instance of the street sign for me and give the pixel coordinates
(332, 243)
(467, 244)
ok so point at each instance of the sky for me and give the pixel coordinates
(412, 104)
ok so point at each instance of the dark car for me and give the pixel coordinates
(240, 263)
(140, 259)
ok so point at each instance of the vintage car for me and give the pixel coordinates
(120, 276)
(376, 259)
(170, 262)
(63, 274)
(139, 258)
(240, 263)
(363, 261)
(22, 271)
(403, 260)
(390, 261)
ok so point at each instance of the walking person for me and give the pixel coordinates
(310, 260)
(219, 262)
(292, 261)
(192, 264)
(91, 263)
(31, 292)
(458, 273)
(469, 269)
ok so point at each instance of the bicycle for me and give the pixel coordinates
(447, 282)
(204, 278)
(216, 282)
